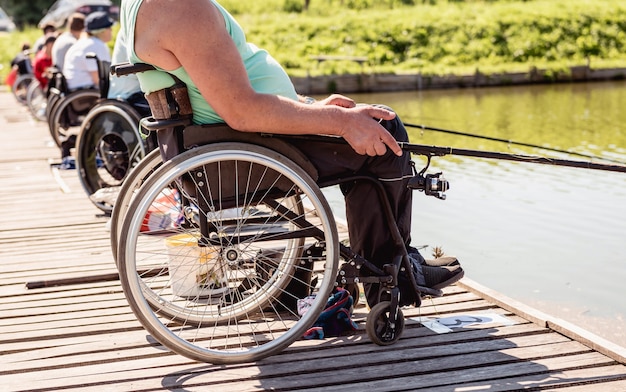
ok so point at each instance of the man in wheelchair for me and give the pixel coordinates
(232, 81)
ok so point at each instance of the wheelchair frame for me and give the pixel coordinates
(251, 313)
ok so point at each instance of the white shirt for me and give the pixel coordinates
(60, 48)
(77, 68)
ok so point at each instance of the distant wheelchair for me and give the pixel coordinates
(37, 96)
(110, 144)
(36, 100)
(66, 109)
(20, 87)
(218, 242)
(25, 77)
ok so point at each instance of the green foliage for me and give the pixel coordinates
(447, 36)
(434, 37)
(26, 13)
(10, 45)
(293, 6)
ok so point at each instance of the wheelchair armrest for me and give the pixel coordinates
(129, 69)
(151, 124)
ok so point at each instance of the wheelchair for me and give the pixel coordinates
(20, 87)
(36, 100)
(25, 77)
(217, 243)
(65, 108)
(109, 145)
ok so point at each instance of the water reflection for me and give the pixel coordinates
(549, 236)
(584, 117)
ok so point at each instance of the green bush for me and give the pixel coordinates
(293, 6)
(434, 37)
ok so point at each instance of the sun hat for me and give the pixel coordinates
(97, 21)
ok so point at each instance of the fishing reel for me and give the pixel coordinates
(431, 184)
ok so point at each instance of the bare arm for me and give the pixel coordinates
(223, 81)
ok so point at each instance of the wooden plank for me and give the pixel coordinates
(576, 380)
(370, 356)
(610, 386)
(116, 346)
(85, 337)
(598, 343)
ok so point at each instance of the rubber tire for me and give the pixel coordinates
(131, 184)
(20, 87)
(36, 100)
(377, 324)
(207, 319)
(108, 119)
(58, 134)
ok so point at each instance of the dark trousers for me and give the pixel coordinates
(367, 226)
(368, 229)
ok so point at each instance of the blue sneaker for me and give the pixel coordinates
(68, 163)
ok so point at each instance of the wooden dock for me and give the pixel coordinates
(81, 335)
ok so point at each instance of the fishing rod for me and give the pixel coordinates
(434, 184)
(431, 151)
(438, 151)
(511, 142)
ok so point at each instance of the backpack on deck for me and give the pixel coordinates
(334, 320)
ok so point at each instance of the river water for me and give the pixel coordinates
(551, 237)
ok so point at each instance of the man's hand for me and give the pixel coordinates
(366, 135)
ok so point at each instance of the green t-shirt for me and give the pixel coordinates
(265, 74)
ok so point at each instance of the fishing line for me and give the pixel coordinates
(511, 142)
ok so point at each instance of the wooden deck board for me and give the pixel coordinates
(81, 335)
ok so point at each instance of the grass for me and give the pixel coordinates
(433, 37)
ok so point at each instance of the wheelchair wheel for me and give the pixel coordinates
(382, 327)
(54, 98)
(20, 87)
(129, 188)
(36, 100)
(107, 148)
(69, 111)
(227, 300)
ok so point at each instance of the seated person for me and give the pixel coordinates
(79, 71)
(22, 60)
(234, 82)
(76, 25)
(47, 30)
(43, 61)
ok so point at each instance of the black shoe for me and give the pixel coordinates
(438, 277)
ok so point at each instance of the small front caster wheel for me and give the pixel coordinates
(382, 327)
